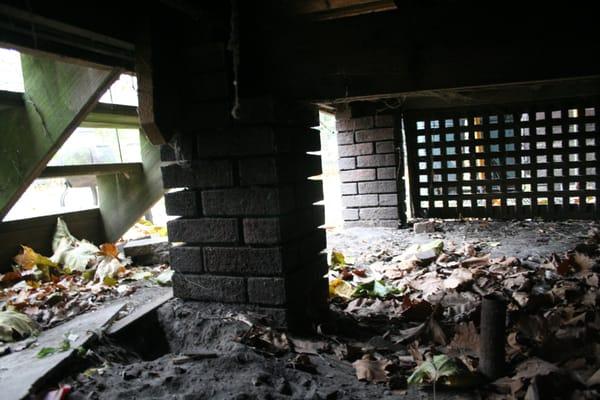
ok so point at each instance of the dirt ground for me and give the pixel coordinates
(207, 359)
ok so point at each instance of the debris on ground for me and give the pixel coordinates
(76, 278)
(405, 322)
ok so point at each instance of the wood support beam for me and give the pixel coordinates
(125, 198)
(58, 96)
(126, 169)
(321, 10)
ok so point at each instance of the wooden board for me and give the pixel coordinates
(57, 97)
(38, 233)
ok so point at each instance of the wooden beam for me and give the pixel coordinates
(322, 10)
(125, 198)
(57, 96)
(102, 116)
(92, 169)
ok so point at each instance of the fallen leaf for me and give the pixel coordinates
(29, 259)
(465, 338)
(458, 277)
(433, 370)
(340, 288)
(109, 249)
(15, 324)
(370, 369)
(337, 258)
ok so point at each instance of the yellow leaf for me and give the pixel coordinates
(29, 259)
(340, 288)
(109, 281)
(337, 258)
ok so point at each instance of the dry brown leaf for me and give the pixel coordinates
(109, 249)
(370, 369)
(466, 337)
(584, 262)
(473, 262)
(458, 277)
(436, 332)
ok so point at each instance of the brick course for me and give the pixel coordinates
(368, 165)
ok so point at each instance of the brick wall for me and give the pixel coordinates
(247, 230)
(368, 164)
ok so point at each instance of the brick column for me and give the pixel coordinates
(368, 163)
(247, 220)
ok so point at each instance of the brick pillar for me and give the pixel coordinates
(368, 163)
(247, 220)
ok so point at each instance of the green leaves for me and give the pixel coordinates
(446, 371)
(376, 288)
(12, 322)
(337, 258)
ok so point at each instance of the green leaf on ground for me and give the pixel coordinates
(431, 371)
(12, 322)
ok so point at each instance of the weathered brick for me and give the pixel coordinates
(248, 260)
(270, 109)
(309, 192)
(345, 137)
(210, 56)
(267, 291)
(388, 199)
(242, 141)
(183, 203)
(349, 188)
(354, 123)
(210, 114)
(207, 86)
(350, 214)
(374, 135)
(386, 173)
(357, 175)
(201, 174)
(179, 148)
(379, 213)
(186, 259)
(347, 163)
(376, 160)
(384, 121)
(305, 139)
(228, 289)
(310, 246)
(277, 170)
(266, 230)
(361, 200)
(377, 187)
(355, 149)
(384, 147)
(203, 230)
(247, 201)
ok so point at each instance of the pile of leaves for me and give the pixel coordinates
(427, 303)
(76, 278)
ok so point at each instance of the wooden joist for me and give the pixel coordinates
(321, 10)
(126, 169)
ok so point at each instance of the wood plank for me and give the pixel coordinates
(124, 199)
(322, 10)
(57, 96)
(92, 169)
(38, 232)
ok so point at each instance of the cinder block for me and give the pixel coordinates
(242, 141)
(361, 200)
(308, 192)
(376, 160)
(347, 163)
(424, 227)
(350, 214)
(354, 123)
(247, 201)
(377, 187)
(267, 291)
(385, 147)
(379, 213)
(248, 260)
(350, 150)
(357, 175)
(210, 56)
(345, 137)
(374, 135)
(200, 174)
(311, 245)
(186, 259)
(384, 121)
(277, 170)
(214, 114)
(386, 173)
(228, 289)
(388, 199)
(266, 230)
(269, 109)
(184, 203)
(203, 230)
(207, 86)
(349, 188)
